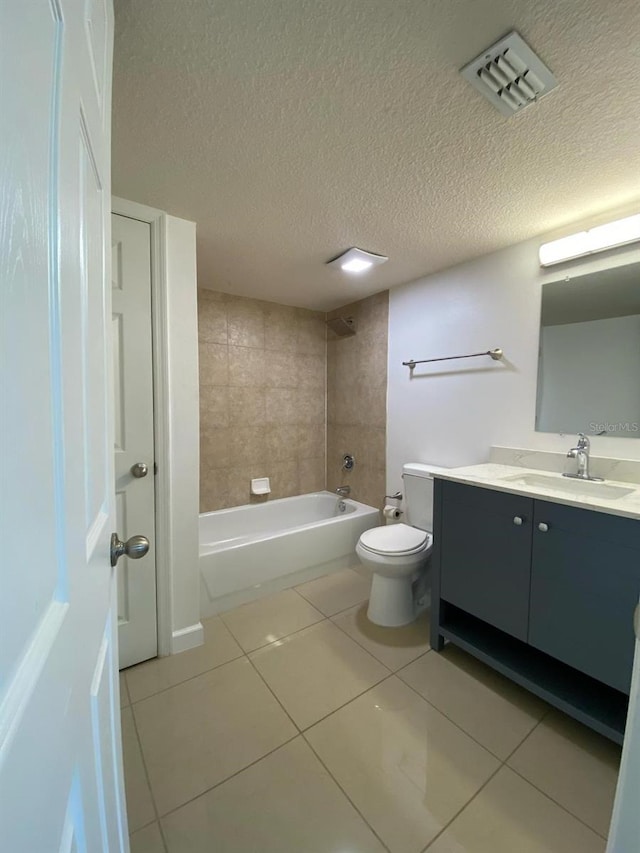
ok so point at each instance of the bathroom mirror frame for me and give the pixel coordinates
(589, 354)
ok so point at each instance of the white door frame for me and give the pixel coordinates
(156, 220)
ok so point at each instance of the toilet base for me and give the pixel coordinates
(391, 603)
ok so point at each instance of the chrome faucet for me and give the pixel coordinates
(581, 454)
(343, 491)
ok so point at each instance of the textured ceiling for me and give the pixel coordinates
(290, 130)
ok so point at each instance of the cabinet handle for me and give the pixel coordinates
(517, 520)
(543, 527)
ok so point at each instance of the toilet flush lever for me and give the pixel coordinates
(396, 497)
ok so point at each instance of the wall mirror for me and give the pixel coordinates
(589, 355)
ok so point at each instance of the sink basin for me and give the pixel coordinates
(569, 486)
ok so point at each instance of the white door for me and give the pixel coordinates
(61, 785)
(133, 417)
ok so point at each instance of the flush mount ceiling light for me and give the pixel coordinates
(510, 75)
(598, 239)
(357, 260)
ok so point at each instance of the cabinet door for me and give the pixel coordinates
(485, 560)
(585, 582)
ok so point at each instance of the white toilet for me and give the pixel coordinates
(398, 554)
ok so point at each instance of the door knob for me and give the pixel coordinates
(542, 527)
(135, 547)
(140, 469)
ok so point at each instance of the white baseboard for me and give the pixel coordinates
(187, 638)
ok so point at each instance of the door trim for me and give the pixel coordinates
(169, 641)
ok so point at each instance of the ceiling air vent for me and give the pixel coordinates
(510, 75)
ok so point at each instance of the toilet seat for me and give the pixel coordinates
(395, 540)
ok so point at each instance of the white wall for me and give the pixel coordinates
(183, 430)
(452, 412)
(590, 374)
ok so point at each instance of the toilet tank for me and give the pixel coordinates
(418, 494)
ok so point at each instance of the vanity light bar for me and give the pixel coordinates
(597, 239)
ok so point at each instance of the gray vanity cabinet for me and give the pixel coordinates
(585, 582)
(486, 548)
(542, 592)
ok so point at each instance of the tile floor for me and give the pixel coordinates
(299, 727)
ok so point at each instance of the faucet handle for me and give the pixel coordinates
(583, 441)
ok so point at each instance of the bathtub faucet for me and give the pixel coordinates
(343, 491)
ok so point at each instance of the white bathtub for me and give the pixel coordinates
(250, 551)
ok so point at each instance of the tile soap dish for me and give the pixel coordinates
(260, 486)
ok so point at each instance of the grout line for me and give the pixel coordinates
(344, 704)
(303, 732)
(228, 778)
(284, 637)
(355, 640)
(190, 678)
(555, 802)
(500, 767)
(268, 686)
(343, 609)
(466, 805)
(162, 838)
(350, 607)
(146, 826)
(483, 786)
(144, 766)
(331, 776)
(242, 653)
(458, 726)
(348, 702)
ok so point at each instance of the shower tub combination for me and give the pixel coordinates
(250, 551)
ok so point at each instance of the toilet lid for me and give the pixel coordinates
(394, 539)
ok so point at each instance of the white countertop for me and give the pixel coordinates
(491, 475)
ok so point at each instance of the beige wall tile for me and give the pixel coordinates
(311, 440)
(245, 322)
(282, 406)
(212, 318)
(374, 401)
(356, 400)
(312, 475)
(284, 479)
(214, 406)
(271, 382)
(311, 370)
(214, 364)
(246, 366)
(239, 483)
(211, 495)
(215, 447)
(280, 369)
(247, 405)
(372, 487)
(281, 442)
(280, 327)
(247, 445)
(311, 333)
(311, 406)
